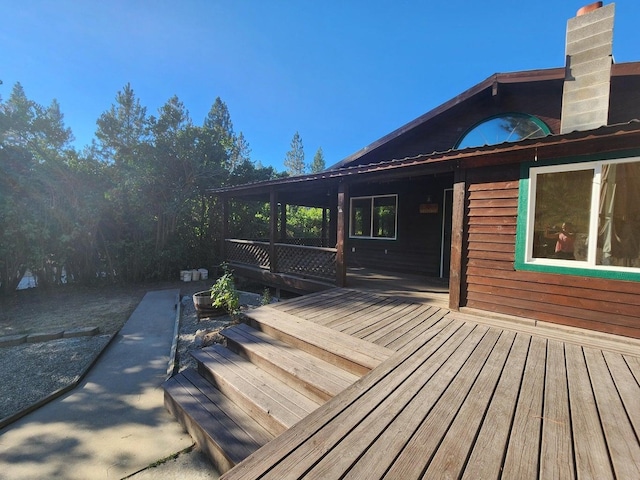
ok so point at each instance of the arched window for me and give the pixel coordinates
(509, 127)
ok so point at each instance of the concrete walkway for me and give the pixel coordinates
(114, 423)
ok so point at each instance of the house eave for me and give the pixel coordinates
(605, 139)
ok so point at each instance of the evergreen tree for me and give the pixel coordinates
(318, 161)
(241, 153)
(294, 160)
(123, 135)
(122, 130)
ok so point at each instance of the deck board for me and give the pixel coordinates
(402, 336)
(464, 398)
(336, 316)
(618, 432)
(556, 457)
(494, 432)
(627, 386)
(592, 458)
(449, 460)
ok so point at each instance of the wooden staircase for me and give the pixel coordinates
(274, 370)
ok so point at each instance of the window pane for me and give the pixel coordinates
(505, 128)
(562, 205)
(619, 215)
(384, 217)
(361, 217)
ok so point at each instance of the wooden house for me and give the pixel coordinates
(475, 189)
(520, 194)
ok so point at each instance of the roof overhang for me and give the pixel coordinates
(308, 188)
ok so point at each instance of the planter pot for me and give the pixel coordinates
(204, 305)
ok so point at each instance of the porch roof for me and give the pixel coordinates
(314, 189)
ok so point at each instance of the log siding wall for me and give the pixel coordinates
(492, 284)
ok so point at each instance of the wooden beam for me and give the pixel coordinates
(457, 236)
(341, 267)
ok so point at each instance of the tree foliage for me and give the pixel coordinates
(294, 159)
(318, 165)
(133, 206)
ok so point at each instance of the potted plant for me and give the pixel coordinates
(221, 298)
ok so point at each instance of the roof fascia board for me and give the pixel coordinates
(602, 140)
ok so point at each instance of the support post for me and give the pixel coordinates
(323, 231)
(283, 221)
(225, 228)
(457, 237)
(273, 231)
(341, 267)
(333, 220)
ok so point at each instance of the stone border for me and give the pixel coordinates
(172, 365)
(19, 339)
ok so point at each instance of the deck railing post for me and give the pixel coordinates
(341, 268)
(273, 231)
(225, 228)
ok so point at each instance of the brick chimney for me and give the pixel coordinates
(585, 97)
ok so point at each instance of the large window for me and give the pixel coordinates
(585, 215)
(374, 217)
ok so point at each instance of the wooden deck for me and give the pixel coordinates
(462, 397)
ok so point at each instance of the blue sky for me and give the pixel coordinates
(341, 73)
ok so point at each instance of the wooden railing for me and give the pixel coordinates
(250, 252)
(304, 261)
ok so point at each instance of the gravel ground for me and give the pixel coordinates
(32, 371)
(195, 334)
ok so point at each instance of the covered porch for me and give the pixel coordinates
(413, 245)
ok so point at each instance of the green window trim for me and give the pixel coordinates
(520, 264)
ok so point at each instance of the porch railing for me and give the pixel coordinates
(304, 261)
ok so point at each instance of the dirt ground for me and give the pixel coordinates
(108, 307)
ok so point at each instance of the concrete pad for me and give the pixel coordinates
(81, 332)
(12, 340)
(193, 465)
(114, 423)
(44, 336)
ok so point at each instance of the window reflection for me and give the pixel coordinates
(619, 215)
(564, 213)
(562, 205)
(505, 128)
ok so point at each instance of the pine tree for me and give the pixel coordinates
(294, 161)
(318, 161)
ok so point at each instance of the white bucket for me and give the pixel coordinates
(195, 275)
(204, 273)
(185, 275)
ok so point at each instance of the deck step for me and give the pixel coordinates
(222, 430)
(265, 380)
(340, 349)
(309, 375)
(269, 401)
